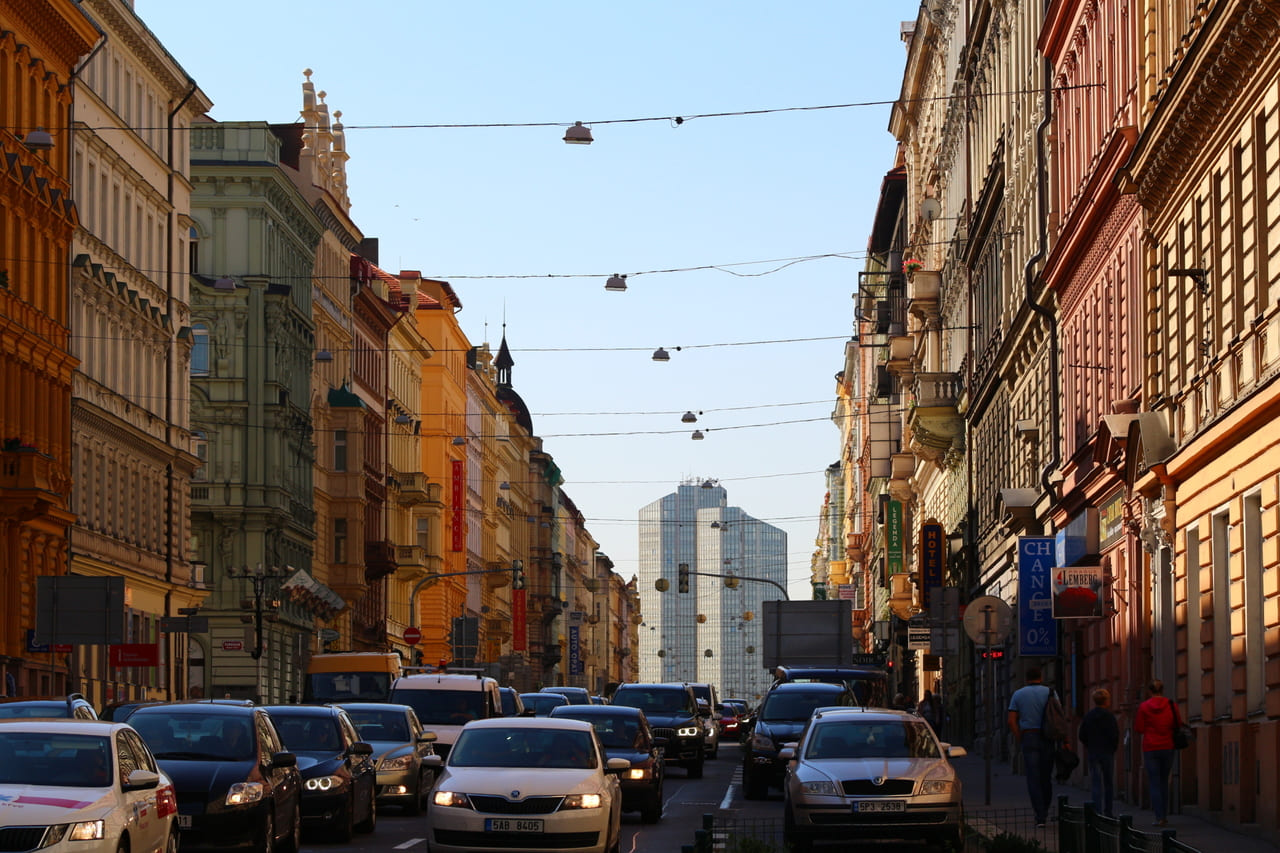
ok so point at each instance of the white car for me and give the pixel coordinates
(527, 783)
(870, 773)
(72, 786)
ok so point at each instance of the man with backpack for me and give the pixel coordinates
(1027, 718)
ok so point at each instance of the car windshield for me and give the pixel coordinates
(192, 737)
(348, 687)
(54, 759)
(308, 732)
(871, 739)
(443, 707)
(656, 702)
(523, 747)
(795, 707)
(380, 725)
(619, 731)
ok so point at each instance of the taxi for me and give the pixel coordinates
(84, 786)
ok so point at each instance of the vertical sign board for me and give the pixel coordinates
(933, 560)
(1037, 632)
(519, 631)
(79, 610)
(458, 490)
(893, 537)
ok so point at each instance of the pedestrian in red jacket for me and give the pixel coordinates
(1155, 721)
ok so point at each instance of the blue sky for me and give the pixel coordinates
(527, 229)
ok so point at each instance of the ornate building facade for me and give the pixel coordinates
(38, 215)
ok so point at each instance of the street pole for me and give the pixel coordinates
(987, 613)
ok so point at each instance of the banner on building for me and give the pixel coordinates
(519, 612)
(893, 537)
(458, 489)
(1077, 592)
(1037, 631)
(575, 650)
(933, 560)
(134, 654)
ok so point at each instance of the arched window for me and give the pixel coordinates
(199, 350)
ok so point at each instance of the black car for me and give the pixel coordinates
(512, 704)
(781, 718)
(399, 746)
(72, 707)
(625, 733)
(672, 710)
(238, 788)
(339, 785)
(542, 703)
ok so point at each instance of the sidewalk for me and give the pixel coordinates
(1009, 810)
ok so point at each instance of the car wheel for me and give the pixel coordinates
(414, 804)
(293, 843)
(753, 788)
(267, 844)
(370, 823)
(695, 769)
(651, 811)
(171, 846)
(122, 846)
(344, 825)
(796, 841)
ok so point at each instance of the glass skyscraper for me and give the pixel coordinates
(711, 633)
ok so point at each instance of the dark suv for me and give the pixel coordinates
(672, 710)
(72, 706)
(781, 718)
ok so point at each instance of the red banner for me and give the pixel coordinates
(134, 654)
(459, 486)
(519, 636)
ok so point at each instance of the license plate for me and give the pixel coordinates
(184, 821)
(498, 824)
(868, 806)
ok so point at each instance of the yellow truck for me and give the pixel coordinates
(351, 677)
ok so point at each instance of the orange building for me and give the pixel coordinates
(37, 218)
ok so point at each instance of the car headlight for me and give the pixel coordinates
(825, 788)
(88, 830)
(687, 731)
(638, 773)
(581, 801)
(451, 798)
(759, 741)
(243, 793)
(936, 786)
(323, 783)
(400, 762)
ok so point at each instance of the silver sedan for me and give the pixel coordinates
(873, 773)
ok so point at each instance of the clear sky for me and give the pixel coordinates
(719, 222)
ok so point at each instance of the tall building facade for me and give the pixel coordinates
(133, 460)
(733, 563)
(40, 51)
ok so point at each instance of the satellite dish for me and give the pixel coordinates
(930, 209)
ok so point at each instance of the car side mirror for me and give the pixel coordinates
(360, 748)
(787, 753)
(617, 765)
(433, 760)
(141, 780)
(284, 759)
(956, 751)
(427, 737)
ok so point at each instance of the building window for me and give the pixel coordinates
(339, 541)
(1221, 568)
(199, 350)
(424, 534)
(339, 450)
(1254, 624)
(201, 440)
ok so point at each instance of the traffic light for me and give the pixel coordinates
(684, 577)
(517, 574)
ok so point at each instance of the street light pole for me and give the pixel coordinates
(260, 609)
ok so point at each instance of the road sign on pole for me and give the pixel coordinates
(412, 635)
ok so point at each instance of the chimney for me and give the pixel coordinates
(410, 280)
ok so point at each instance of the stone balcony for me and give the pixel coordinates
(415, 489)
(935, 419)
(414, 562)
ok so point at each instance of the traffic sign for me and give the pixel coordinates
(988, 620)
(412, 635)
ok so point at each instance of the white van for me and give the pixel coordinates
(446, 701)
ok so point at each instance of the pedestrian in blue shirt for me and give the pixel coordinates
(1026, 713)
(1101, 737)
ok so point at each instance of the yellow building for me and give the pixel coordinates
(38, 50)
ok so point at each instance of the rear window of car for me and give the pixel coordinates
(379, 725)
(871, 739)
(443, 707)
(655, 700)
(797, 705)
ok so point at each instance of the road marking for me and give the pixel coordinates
(728, 798)
(410, 843)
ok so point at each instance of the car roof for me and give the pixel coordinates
(326, 710)
(808, 686)
(564, 689)
(63, 725)
(198, 706)
(596, 711)
(374, 706)
(674, 685)
(531, 723)
(886, 715)
(419, 680)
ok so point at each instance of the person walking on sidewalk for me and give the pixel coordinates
(1101, 737)
(1155, 721)
(1026, 715)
